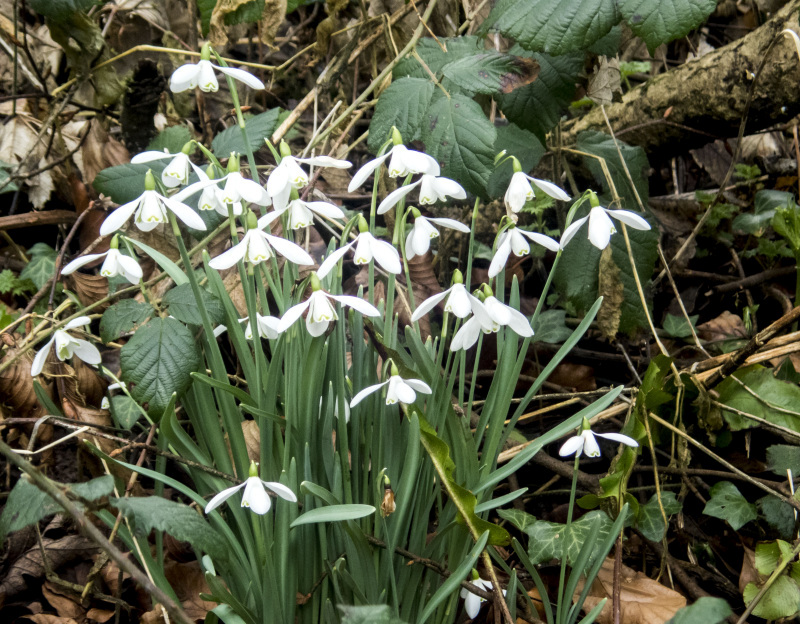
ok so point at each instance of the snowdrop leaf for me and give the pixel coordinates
(403, 105)
(60, 10)
(180, 521)
(125, 411)
(727, 503)
(184, 307)
(334, 513)
(662, 21)
(122, 317)
(258, 128)
(172, 139)
(167, 265)
(158, 361)
(124, 183)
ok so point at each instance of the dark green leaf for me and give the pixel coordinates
(761, 381)
(42, 265)
(778, 514)
(258, 128)
(435, 58)
(783, 457)
(705, 610)
(727, 503)
(650, 519)
(402, 105)
(520, 519)
(124, 183)
(123, 317)
(551, 327)
(172, 139)
(205, 8)
(125, 411)
(490, 72)
(158, 361)
(603, 146)
(678, 327)
(662, 21)
(183, 305)
(60, 10)
(180, 521)
(461, 138)
(547, 539)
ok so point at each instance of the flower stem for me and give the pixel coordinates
(562, 574)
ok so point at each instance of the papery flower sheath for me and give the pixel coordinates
(513, 239)
(115, 264)
(257, 246)
(601, 227)
(301, 213)
(289, 174)
(418, 241)
(586, 441)
(367, 248)
(520, 190)
(67, 346)
(403, 162)
(431, 190)
(201, 74)
(255, 495)
(402, 390)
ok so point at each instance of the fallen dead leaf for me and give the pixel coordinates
(46, 618)
(65, 604)
(725, 326)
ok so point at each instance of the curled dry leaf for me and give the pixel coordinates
(65, 604)
(16, 383)
(725, 326)
(89, 288)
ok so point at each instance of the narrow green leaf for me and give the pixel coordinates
(168, 266)
(333, 513)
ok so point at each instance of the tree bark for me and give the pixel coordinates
(706, 98)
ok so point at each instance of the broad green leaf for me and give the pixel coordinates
(490, 72)
(158, 361)
(650, 520)
(783, 457)
(778, 514)
(333, 513)
(258, 128)
(402, 105)
(780, 601)
(678, 327)
(172, 139)
(184, 307)
(123, 317)
(553, 27)
(538, 106)
(768, 556)
(180, 521)
(125, 411)
(547, 539)
(705, 610)
(662, 21)
(368, 614)
(461, 138)
(205, 8)
(761, 381)
(603, 146)
(125, 183)
(27, 504)
(42, 265)
(519, 143)
(520, 519)
(60, 10)
(727, 503)
(551, 327)
(435, 58)
(247, 12)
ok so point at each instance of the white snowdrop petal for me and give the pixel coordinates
(449, 223)
(330, 262)
(419, 386)
(367, 309)
(119, 217)
(222, 497)
(600, 228)
(366, 392)
(541, 239)
(618, 437)
(41, 356)
(86, 351)
(255, 496)
(571, 230)
(183, 78)
(291, 315)
(386, 256)
(281, 490)
(550, 189)
(500, 258)
(150, 156)
(428, 305)
(77, 263)
(571, 446)
(242, 76)
(393, 198)
(228, 258)
(590, 445)
(630, 219)
(289, 250)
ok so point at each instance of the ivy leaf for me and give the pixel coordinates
(783, 457)
(662, 21)
(403, 105)
(172, 139)
(125, 411)
(650, 520)
(727, 503)
(258, 128)
(491, 72)
(461, 138)
(124, 183)
(678, 327)
(42, 265)
(548, 540)
(761, 381)
(520, 519)
(778, 514)
(551, 327)
(158, 361)
(553, 27)
(122, 317)
(779, 601)
(705, 610)
(183, 305)
(180, 521)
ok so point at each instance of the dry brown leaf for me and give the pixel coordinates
(749, 573)
(99, 615)
(16, 383)
(45, 618)
(605, 81)
(65, 604)
(252, 439)
(271, 20)
(611, 289)
(642, 600)
(89, 288)
(725, 326)
(188, 581)
(528, 71)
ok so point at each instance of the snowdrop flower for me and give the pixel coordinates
(105, 403)
(458, 300)
(321, 309)
(585, 441)
(150, 209)
(432, 189)
(267, 327)
(402, 390)
(403, 162)
(289, 174)
(489, 315)
(115, 264)
(418, 241)
(67, 346)
(301, 213)
(367, 248)
(255, 496)
(257, 246)
(177, 171)
(513, 239)
(202, 75)
(600, 225)
(520, 189)
(473, 602)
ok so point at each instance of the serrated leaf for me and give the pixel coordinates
(760, 380)
(727, 503)
(491, 72)
(547, 539)
(180, 521)
(158, 361)
(124, 183)
(184, 307)
(780, 600)
(402, 105)
(662, 21)
(705, 610)
(461, 138)
(60, 10)
(125, 411)
(333, 513)
(123, 317)
(551, 327)
(430, 51)
(650, 521)
(778, 514)
(538, 106)
(171, 139)
(258, 128)
(553, 27)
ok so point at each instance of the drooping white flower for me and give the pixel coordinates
(115, 264)
(322, 310)
(301, 213)
(585, 441)
(367, 248)
(289, 174)
(513, 239)
(257, 246)
(67, 346)
(520, 190)
(201, 74)
(488, 317)
(432, 189)
(473, 602)
(150, 209)
(601, 227)
(418, 241)
(403, 162)
(177, 170)
(402, 390)
(255, 496)
(458, 302)
(267, 327)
